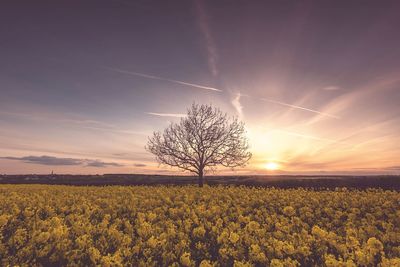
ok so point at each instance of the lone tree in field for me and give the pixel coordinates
(202, 140)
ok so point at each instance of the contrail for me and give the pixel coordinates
(308, 136)
(215, 89)
(298, 107)
(164, 79)
(176, 115)
(212, 55)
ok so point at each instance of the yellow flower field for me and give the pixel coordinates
(44, 225)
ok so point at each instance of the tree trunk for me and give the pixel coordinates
(201, 178)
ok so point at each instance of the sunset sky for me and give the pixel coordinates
(84, 83)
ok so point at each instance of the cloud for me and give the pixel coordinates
(101, 164)
(176, 115)
(58, 118)
(212, 55)
(139, 165)
(305, 165)
(55, 161)
(299, 107)
(120, 154)
(218, 90)
(117, 131)
(237, 105)
(163, 79)
(346, 102)
(331, 88)
(308, 136)
(48, 160)
(393, 168)
(390, 168)
(79, 122)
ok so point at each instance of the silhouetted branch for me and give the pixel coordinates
(204, 139)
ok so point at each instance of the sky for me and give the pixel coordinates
(84, 83)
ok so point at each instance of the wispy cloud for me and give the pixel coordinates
(236, 99)
(139, 165)
(301, 108)
(390, 168)
(331, 88)
(237, 105)
(153, 77)
(48, 160)
(393, 168)
(308, 136)
(212, 55)
(344, 102)
(59, 118)
(120, 154)
(79, 122)
(175, 115)
(56, 161)
(101, 164)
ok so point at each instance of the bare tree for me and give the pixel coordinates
(202, 140)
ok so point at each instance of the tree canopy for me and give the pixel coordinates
(202, 140)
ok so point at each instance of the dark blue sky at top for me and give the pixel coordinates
(52, 51)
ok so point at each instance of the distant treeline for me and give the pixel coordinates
(279, 181)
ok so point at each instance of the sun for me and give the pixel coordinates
(271, 166)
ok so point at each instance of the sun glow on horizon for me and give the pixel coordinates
(272, 166)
